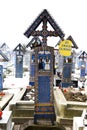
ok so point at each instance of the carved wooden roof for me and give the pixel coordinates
(44, 18)
(83, 55)
(19, 48)
(73, 42)
(3, 57)
(35, 40)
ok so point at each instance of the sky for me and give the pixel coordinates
(17, 15)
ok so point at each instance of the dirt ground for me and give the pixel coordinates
(74, 95)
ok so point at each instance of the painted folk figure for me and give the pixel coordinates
(47, 64)
(41, 64)
(44, 64)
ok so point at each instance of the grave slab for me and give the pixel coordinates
(6, 121)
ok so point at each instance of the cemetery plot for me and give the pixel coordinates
(29, 94)
(22, 106)
(66, 108)
(4, 99)
(75, 94)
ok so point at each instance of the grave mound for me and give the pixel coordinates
(72, 94)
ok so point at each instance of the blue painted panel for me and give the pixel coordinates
(79, 64)
(1, 77)
(33, 57)
(67, 71)
(73, 67)
(44, 56)
(82, 72)
(43, 89)
(83, 63)
(66, 84)
(45, 116)
(32, 70)
(19, 68)
(31, 83)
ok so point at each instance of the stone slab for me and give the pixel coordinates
(5, 99)
(78, 123)
(6, 121)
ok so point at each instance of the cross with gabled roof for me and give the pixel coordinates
(44, 18)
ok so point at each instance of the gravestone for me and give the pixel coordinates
(19, 61)
(82, 62)
(82, 71)
(1, 77)
(65, 49)
(35, 42)
(32, 70)
(44, 66)
(67, 70)
(44, 106)
(3, 58)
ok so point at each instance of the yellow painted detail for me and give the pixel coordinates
(65, 47)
